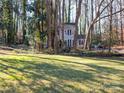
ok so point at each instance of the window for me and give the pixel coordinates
(68, 32)
(70, 43)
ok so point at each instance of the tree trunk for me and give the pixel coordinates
(121, 21)
(78, 13)
(110, 33)
(48, 12)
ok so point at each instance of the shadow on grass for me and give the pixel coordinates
(108, 70)
(119, 60)
(36, 73)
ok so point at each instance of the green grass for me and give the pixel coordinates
(60, 74)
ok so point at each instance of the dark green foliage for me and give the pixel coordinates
(8, 20)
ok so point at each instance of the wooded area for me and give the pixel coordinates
(61, 46)
(36, 23)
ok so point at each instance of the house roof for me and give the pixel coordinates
(81, 37)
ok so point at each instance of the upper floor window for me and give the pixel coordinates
(69, 32)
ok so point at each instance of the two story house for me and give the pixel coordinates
(69, 31)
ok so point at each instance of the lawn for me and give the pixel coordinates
(60, 74)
